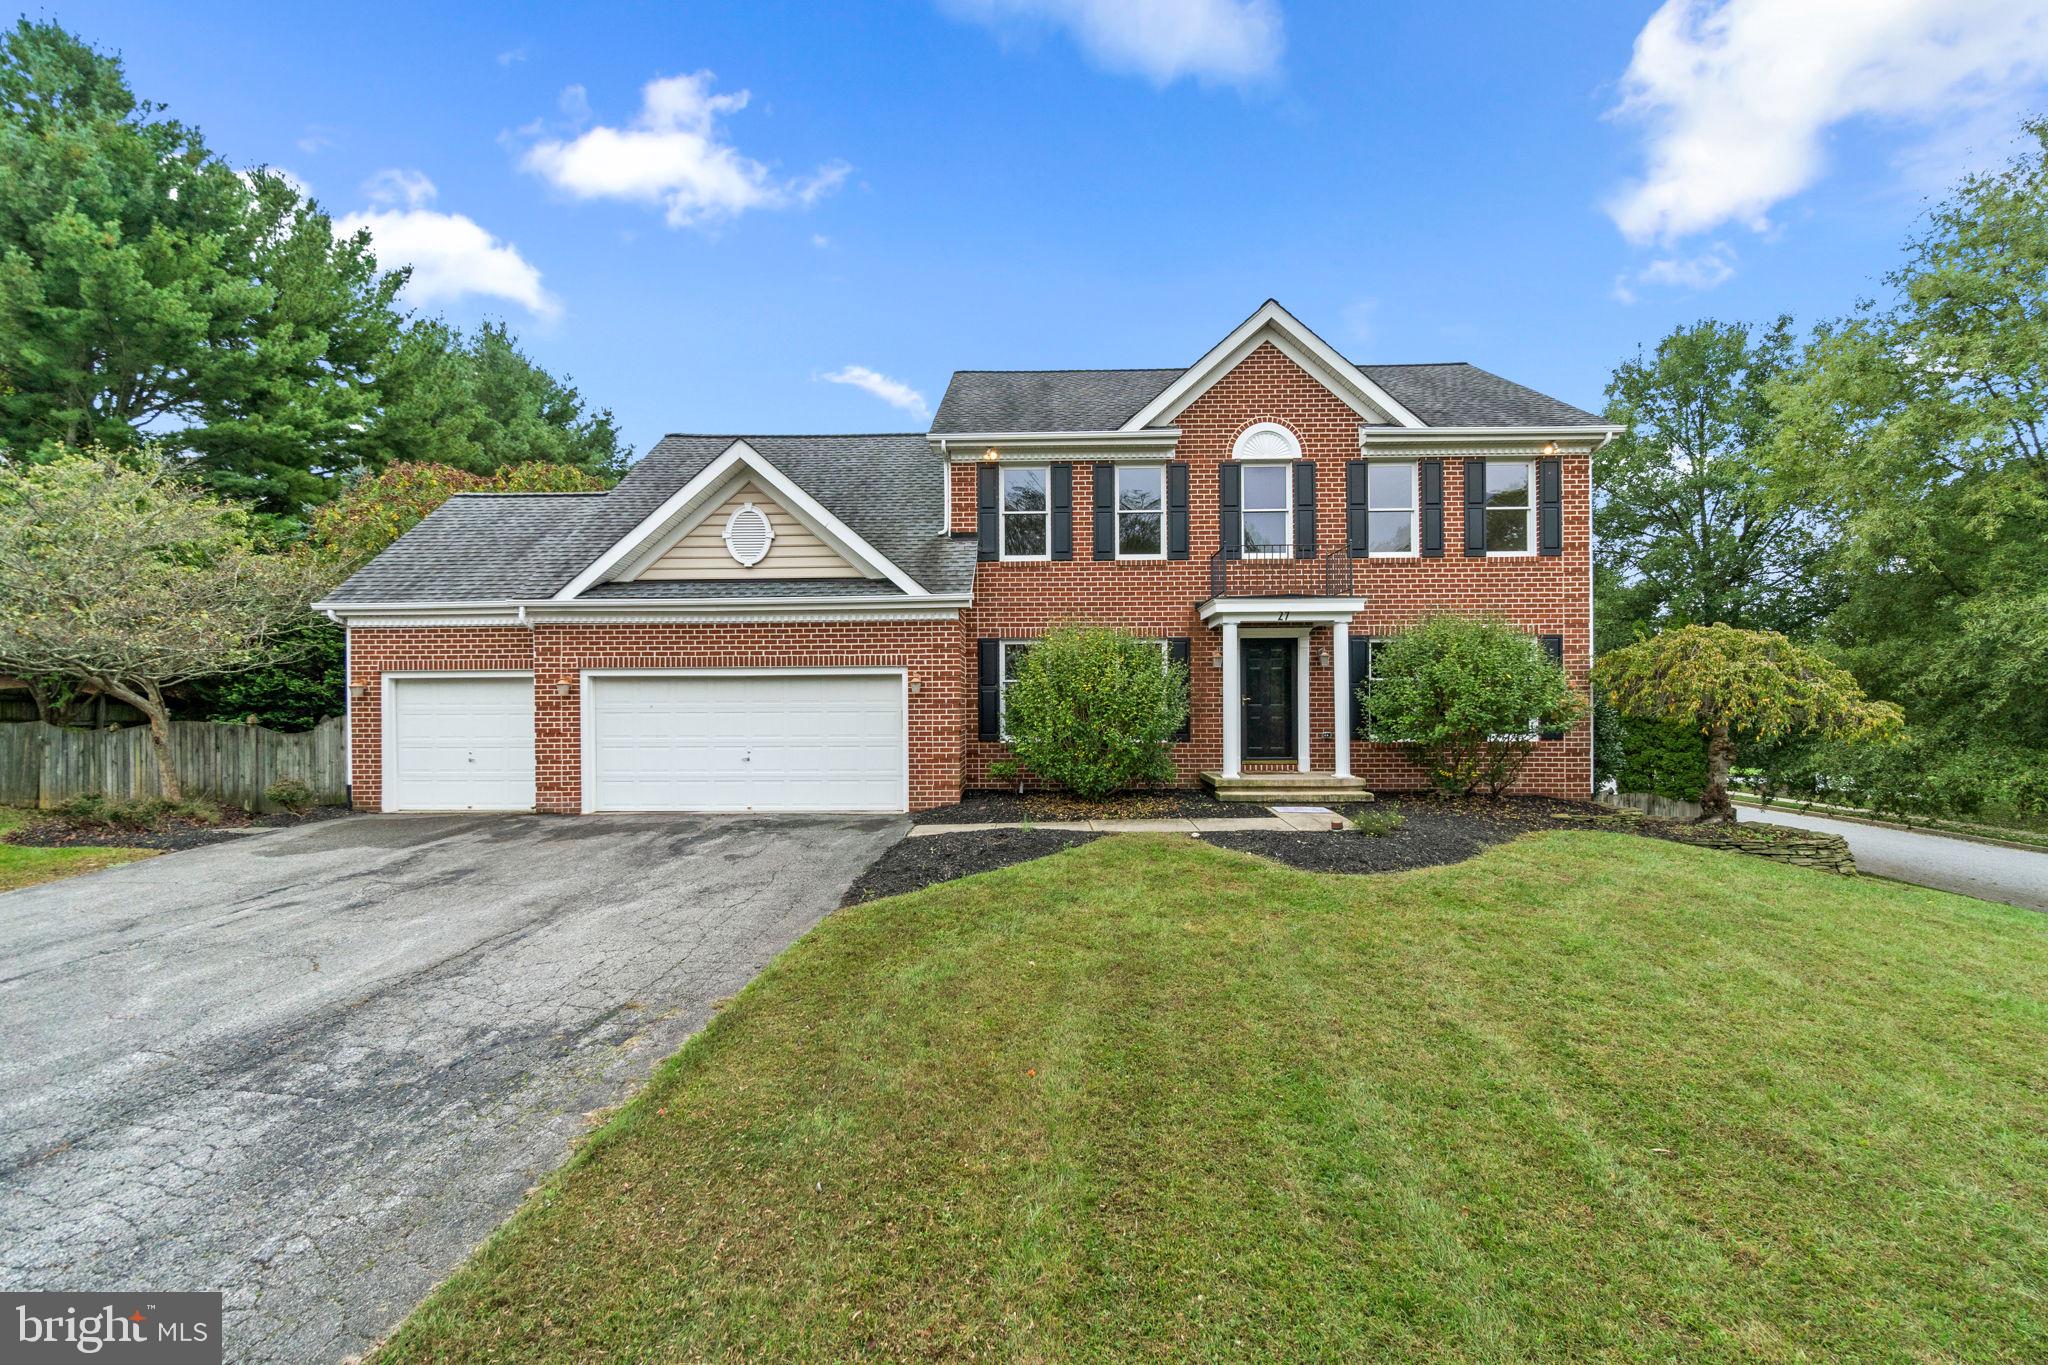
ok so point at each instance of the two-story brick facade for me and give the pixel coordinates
(824, 623)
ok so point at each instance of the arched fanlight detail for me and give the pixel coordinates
(1266, 441)
(748, 534)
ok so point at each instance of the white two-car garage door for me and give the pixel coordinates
(759, 741)
(458, 742)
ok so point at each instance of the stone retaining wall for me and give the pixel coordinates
(1797, 847)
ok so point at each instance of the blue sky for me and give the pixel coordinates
(906, 189)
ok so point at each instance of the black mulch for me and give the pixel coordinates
(995, 808)
(915, 863)
(171, 836)
(1432, 833)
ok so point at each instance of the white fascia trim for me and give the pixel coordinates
(830, 528)
(894, 608)
(1289, 611)
(1274, 323)
(1156, 443)
(1387, 439)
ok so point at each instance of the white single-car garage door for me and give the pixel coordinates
(459, 742)
(760, 741)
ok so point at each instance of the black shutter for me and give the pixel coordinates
(1230, 500)
(1475, 507)
(990, 681)
(1553, 645)
(986, 544)
(1549, 507)
(1361, 670)
(1062, 511)
(1179, 651)
(1176, 511)
(1354, 508)
(1432, 509)
(1104, 476)
(1304, 509)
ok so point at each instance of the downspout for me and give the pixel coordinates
(348, 711)
(946, 502)
(1592, 709)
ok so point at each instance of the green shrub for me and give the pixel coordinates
(96, 811)
(1469, 694)
(1095, 710)
(1661, 757)
(290, 793)
(1378, 823)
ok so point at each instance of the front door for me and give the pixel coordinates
(1268, 698)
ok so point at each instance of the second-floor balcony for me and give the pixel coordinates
(1256, 574)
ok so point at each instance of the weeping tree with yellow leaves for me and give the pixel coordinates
(1755, 684)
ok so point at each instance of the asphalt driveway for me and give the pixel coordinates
(1990, 872)
(314, 1068)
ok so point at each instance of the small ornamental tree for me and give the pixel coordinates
(1471, 695)
(1095, 710)
(1753, 683)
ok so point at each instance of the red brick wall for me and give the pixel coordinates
(1548, 596)
(557, 654)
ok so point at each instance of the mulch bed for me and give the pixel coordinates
(992, 808)
(170, 836)
(1432, 833)
(916, 863)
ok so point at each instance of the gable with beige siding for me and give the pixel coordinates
(796, 551)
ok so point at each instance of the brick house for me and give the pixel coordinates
(802, 623)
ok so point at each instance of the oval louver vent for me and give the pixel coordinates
(748, 535)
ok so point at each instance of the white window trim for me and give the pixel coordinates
(1413, 509)
(1492, 553)
(1003, 514)
(1157, 471)
(1286, 550)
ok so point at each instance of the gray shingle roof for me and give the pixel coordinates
(523, 546)
(1448, 395)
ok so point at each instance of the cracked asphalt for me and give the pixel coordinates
(313, 1069)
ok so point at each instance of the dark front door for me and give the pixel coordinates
(1268, 698)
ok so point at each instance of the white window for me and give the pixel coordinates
(1268, 510)
(1390, 508)
(1141, 512)
(1510, 507)
(1013, 660)
(1027, 513)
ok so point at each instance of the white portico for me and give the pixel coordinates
(1267, 675)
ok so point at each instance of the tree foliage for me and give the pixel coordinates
(117, 574)
(1470, 694)
(1728, 682)
(377, 510)
(1920, 423)
(149, 291)
(477, 403)
(1095, 710)
(1692, 526)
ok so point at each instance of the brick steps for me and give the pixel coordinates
(1289, 789)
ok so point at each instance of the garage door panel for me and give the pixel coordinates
(460, 743)
(756, 742)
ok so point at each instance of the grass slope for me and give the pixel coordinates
(26, 866)
(1586, 1095)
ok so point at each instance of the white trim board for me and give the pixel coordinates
(679, 504)
(1272, 323)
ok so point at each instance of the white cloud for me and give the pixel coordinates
(674, 154)
(894, 392)
(451, 255)
(1229, 42)
(512, 56)
(1739, 95)
(1712, 267)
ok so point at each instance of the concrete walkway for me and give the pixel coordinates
(1305, 821)
(1988, 871)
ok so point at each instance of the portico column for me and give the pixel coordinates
(1233, 702)
(1303, 734)
(1340, 684)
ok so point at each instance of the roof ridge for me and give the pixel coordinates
(530, 493)
(1416, 365)
(1084, 369)
(778, 435)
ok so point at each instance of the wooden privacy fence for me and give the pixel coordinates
(42, 765)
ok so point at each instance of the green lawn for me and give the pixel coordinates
(27, 866)
(1586, 1096)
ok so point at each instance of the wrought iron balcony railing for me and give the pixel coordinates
(1276, 575)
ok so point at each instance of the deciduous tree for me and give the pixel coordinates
(1728, 683)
